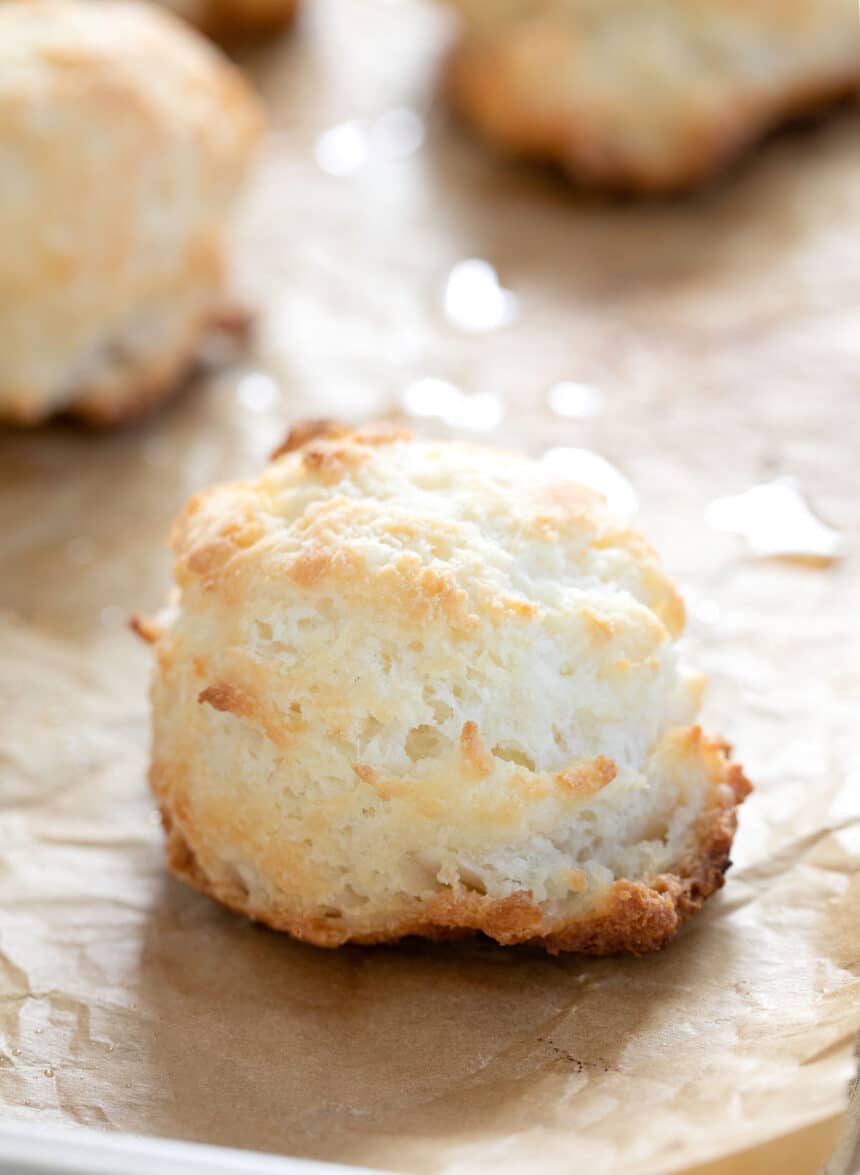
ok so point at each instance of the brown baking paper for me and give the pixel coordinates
(723, 333)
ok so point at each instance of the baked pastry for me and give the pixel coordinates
(123, 140)
(427, 689)
(227, 20)
(647, 95)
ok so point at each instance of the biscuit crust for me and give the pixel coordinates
(424, 689)
(633, 917)
(648, 96)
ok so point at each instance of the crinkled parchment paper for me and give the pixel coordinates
(723, 333)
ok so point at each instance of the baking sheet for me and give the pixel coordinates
(722, 332)
(53, 1151)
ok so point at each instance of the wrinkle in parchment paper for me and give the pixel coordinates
(722, 334)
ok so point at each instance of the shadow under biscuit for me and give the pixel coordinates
(250, 1039)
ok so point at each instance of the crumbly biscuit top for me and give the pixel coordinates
(448, 528)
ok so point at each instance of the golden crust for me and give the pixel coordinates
(589, 777)
(541, 88)
(232, 699)
(320, 438)
(633, 917)
(230, 21)
(308, 430)
(228, 699)
(143, 628)
(474, 751)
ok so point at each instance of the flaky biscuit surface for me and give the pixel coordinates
(123, 140)
(647, 95)
(425, 688)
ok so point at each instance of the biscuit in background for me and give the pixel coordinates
(647, 95)
(124, 138)
(426, 689)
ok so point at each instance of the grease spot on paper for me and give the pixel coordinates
(475, 300)
(776, 522)
(438, 399)
(575, 401)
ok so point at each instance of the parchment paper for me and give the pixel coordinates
(723, 333)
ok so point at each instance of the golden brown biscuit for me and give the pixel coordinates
(425, 688)
(229, 20)
(123, 140)
(647, 95)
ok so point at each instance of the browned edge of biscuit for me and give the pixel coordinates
(162, 378)
(138, 401)
(143, 628)
(634, 917)
(304, 433)
(156, 385)
(231, 27)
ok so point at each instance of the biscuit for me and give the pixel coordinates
(229, 20)
(647, 95)
(426, 689)
(123, 140)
